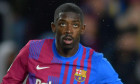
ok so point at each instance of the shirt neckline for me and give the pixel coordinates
(66, 58)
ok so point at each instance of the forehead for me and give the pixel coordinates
(69, 15)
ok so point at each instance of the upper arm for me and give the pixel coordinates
(18, 70)
(106, 72)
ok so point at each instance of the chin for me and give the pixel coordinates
(68, 47)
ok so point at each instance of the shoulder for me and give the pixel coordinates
(36, 46)
(95, 56)
(39, 42)
(36, 41)
(103, 64)
(105, 71)
(91, 53)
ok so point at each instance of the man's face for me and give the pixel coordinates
(68, 28)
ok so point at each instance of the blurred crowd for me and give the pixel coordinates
(112, 27)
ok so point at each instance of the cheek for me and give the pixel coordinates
(58, 34)
(59, 31)
(77, 34)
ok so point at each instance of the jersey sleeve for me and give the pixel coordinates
(106, 72)
(19, 68)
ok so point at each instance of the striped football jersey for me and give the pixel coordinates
(40, 60)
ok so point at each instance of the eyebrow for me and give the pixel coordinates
(62, 20)
(76, 21)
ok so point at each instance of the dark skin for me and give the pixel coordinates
(67, 28)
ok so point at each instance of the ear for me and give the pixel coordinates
(83, 28)
(53, 27)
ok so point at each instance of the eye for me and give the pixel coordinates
(62, 24)
(75, 25)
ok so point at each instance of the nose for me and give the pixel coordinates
(69, 29)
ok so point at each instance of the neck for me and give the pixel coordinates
(67, 52)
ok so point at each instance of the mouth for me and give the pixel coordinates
(68, 40)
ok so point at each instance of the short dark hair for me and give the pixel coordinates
(68, 7)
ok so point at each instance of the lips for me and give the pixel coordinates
(68, 40)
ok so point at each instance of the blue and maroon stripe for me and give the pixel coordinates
(89, 66)
(55, 60)
(80, 58)
(69, 68)
(32, 78)
(53, 79)
(86, 62)
(35, 48)
(65, 73)
(71, 76)
(83, 61)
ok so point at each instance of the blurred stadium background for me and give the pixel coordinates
(113, 27)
